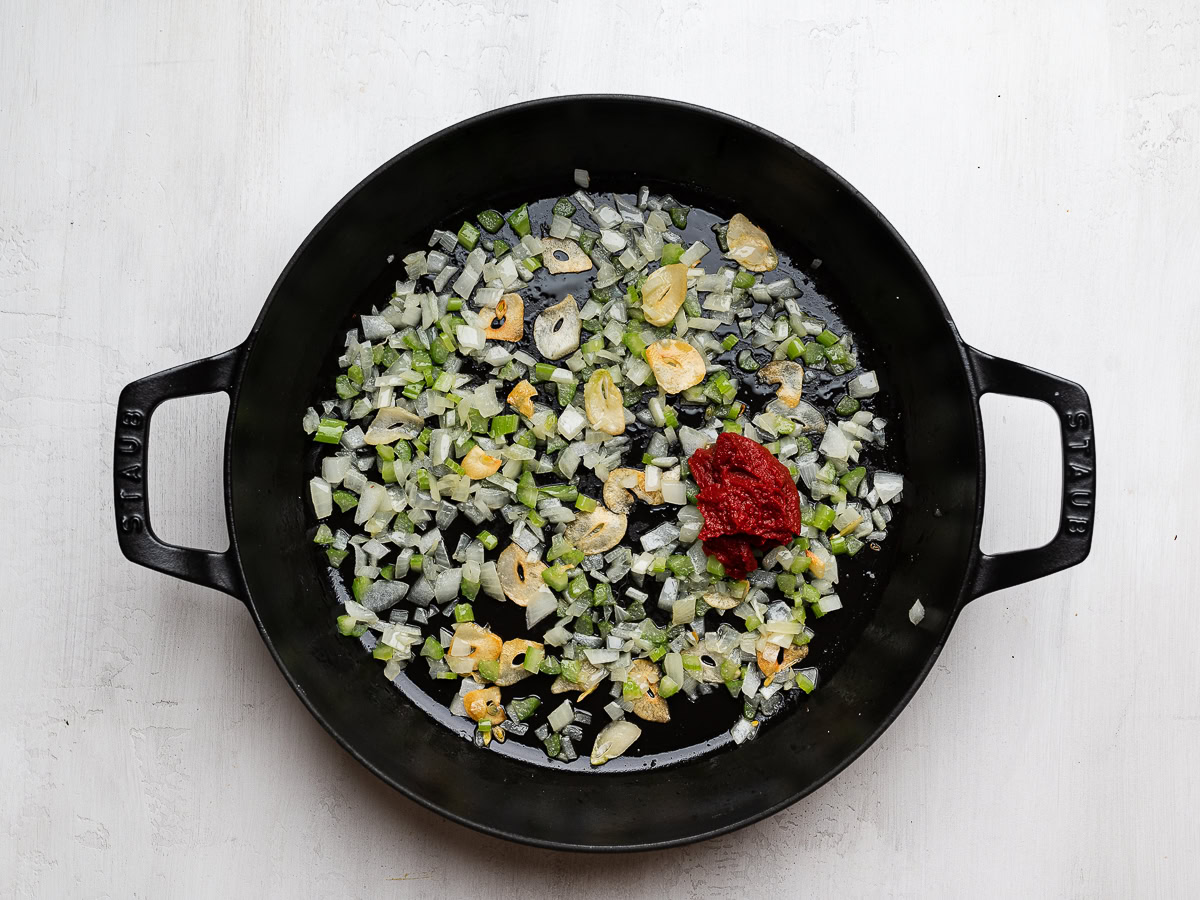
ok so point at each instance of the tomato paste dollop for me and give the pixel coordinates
(748, 500)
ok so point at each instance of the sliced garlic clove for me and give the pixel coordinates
(556, 330)
(393, 423)
(621, 482)
(750, 246)
(604, 404)
(596, 532)
(574, 259)
(484, 704)
(773, 664)
(510, 310)
(476, 639)
(649, 705)
(478, 465)
(676, 364)
(789, 376)
(521, 397)
(520, 577)
(717, 600)
(510, 670)
(663, 293)
(590, 677)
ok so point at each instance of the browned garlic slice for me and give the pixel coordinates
(750, 246)
(510, 670)
(676, 364)
(511, 310)
(649, 705)
(604, 403)
(484, 704)
(521, 398)
(663, 293)
(789, 376)
(520, 577)
(769, 660)
(478, 465)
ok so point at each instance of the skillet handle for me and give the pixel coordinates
(138, 541)
(1071, 545)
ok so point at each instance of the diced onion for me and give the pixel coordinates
(683, 610)
(613, 740)
(888, 486)
(334, 468)
(674, 492)
(543, 604)
(571, 422)
(693, 254)
(376, 327)
(322, 497)
(561, 716)
(835, 444)
(743, 729)
(828, 604)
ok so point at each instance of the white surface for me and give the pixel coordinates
(163, 160)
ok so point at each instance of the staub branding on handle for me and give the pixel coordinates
(1080, 470)
(130, 466)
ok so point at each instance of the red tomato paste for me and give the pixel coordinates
(748, 500)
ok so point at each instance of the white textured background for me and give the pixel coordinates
(160, 161)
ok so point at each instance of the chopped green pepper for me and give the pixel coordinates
(827, 338)
(533, 659)
(468, 236)
(813, 353)
(680, 565)
(527, 492)
(519, 220)
(345, 387)
(491, 220)
(671, 253)
(556, 577)
(852, 479)
(819, 516)
(571, 670)
(522, 708)
(489, 669)
(847, 406)
(350, 626)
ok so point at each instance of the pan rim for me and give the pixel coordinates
(855, 196)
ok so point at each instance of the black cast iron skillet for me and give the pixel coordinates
(525, 152)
